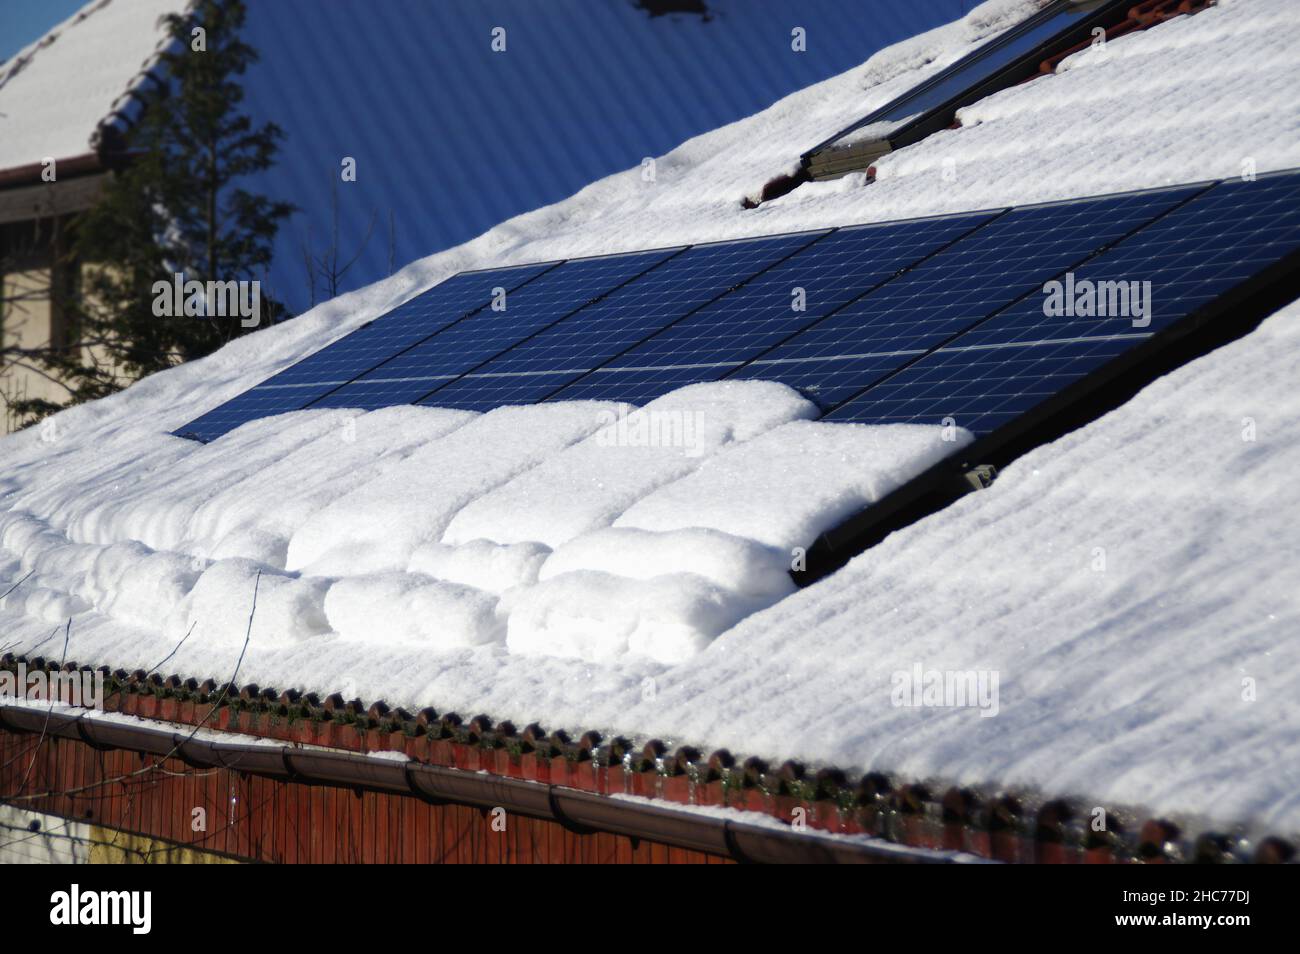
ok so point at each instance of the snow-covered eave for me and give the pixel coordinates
(151, 713)
(713, 829)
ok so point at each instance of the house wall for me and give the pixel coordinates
(36, 277)
(34, 838)
(27, 320)
(260, 819)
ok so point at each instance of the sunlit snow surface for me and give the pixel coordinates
(1133, 584)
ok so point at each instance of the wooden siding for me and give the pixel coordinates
(260, 819)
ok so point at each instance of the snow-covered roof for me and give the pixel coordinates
(1123, 582)
(55, 93)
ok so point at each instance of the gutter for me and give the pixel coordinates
(572, 809)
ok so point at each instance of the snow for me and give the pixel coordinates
(403, 527)
(375, 527)
(590, 484)
(590, 565)
(728, 561)
(392, 609)
(481, 563)
(220, 605)
(787, 486)
(201, 733)
(599, 616)
(758, 820)
(78, 73)
(278, 497)
(1133, 584)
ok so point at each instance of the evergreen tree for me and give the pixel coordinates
(178, 205)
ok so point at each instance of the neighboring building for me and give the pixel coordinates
(68, 97)
(65, 102)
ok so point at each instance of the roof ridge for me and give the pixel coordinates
(24, 58)
(117, 107)
(21, 59)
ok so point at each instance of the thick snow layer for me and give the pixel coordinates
(600, 617)
(790, 484)
(584, 565)
(728, 561)
(489, 566)
(78, 73)
(221, 605)
(410, 526)
(380, 524)
(395, 609)
(590, 484)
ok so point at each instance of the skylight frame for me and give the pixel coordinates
(819, 161)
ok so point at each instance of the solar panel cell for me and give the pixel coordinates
(1011, 256)
(339, 362)
(543, 364)
(1033, 350)
(465, 345)
(722, 336)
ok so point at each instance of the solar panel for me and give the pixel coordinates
(789, 296)
(546, 362)
(1011, 256)
(465, 345)
(1023, 355)
(904, 321)
(337, 363)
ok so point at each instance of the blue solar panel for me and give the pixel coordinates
(467, 344)
(1024, 355)
(339, 362)
(1011, 256)
(546, 362)
(720, 337)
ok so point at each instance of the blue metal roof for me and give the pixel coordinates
(452, 138)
